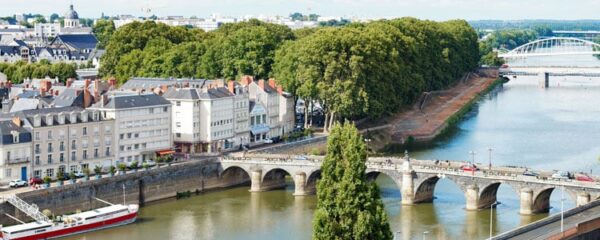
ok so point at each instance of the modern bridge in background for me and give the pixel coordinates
(555, 46)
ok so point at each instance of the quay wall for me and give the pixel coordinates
(140, 187)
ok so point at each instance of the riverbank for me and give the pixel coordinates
(432, 114)
(140, 188)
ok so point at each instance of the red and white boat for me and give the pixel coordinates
(43, 228)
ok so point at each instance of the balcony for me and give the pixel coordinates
(17, 160)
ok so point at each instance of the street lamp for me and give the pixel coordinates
(367, 140)
(495, 203)
(472, 162)
(425, 234)
(562, 211)
(397, 235)
(490, 149)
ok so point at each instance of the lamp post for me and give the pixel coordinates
(367, 141)
(495, 203)
(472, 162)
(425, 234)
(562, 212)
(490, 149)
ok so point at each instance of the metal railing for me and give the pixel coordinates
(31, 210)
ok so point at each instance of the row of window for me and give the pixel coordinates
(221, 122)
(143, 112)
(222, 133)
(84, 156)
(62, 147)
(61, 132)
(145, 123)
(143, 134)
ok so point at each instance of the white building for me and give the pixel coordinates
(45, 30)
(142, 125)
(15, 151)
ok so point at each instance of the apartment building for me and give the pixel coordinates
(142, 126)
(15, 151)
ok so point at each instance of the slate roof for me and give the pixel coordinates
(148, 83)
(25, 104)
(181, 93)
(215, 93)
(69, 98)
(125, 101)
(6, 129)
(78, 41)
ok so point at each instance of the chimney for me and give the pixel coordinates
(272, 83)
(87, 97)
(230, 86)
(96, 89)
(261, 84)
(9, 84)
(279, 89)
(246, 80)
(87, 84)
(186, 84)
(103, 100)
(55, 92)
(112, 82)
(43, 87)
(16, 121)
(164, 88)
(70, 82)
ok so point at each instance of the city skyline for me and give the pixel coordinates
(426, 9)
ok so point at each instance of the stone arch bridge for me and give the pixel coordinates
(416, 179)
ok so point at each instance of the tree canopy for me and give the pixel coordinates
(348, 206)
(17, 72)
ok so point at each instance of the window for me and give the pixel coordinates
(37, 148)
(62, 146)
(84, 154)
(49, 134)
(49, 158)
(96, 154)
(107, 152)
(74, 144)
(73, 156)
(178, 124)
(50, 147)
(122, 148)
(165, 109)
(50, 172)
(136, 135)
(37, 173)
(107, 129)
(177, 103)
(121, 136)
(8, 155)
(62, 157)
(151, 110)
(96, 131)
(8, 172)
(128, 135)
(84, 131)
(136, 146)
(37, 136)
(178, 135)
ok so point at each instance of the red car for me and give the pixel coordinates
(35, 180)
(469, 168)
(584, 178)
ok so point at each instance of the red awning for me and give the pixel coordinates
(165, 152)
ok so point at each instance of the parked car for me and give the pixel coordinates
(301, 157)
(469, 168)
(530, 173)
(584, 178)
(79, 174)
(561, 175)
(35, 180)
(17, 183)
(268, 141)
(151, 163)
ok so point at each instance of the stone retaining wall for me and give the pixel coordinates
(140, 187)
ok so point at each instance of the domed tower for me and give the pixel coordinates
(71, 18)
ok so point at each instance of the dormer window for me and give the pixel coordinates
(15, 136)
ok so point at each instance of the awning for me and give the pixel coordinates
(259, 130)
(165, 152)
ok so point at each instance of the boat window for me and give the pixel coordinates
(29, 229)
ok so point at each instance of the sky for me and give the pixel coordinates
(425, 9)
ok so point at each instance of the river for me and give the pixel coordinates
(554, 128)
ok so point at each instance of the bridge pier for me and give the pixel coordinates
(544, 79)
(526, 199)
(472, 197)
(300, 184)
(583, 198)
(255, 180)
(408, 186)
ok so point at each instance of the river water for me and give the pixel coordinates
(554, 128)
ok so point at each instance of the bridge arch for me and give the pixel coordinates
(553, 47)
(488, 195)
(274, 178)
(311, 181)
(235, 176)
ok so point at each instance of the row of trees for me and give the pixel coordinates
(377, 68)
(353, 71)
(19, 71)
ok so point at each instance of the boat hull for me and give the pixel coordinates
(56, 233)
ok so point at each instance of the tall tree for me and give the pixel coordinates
(349, 206)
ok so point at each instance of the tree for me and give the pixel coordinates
(349, 206)
(103, 29)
